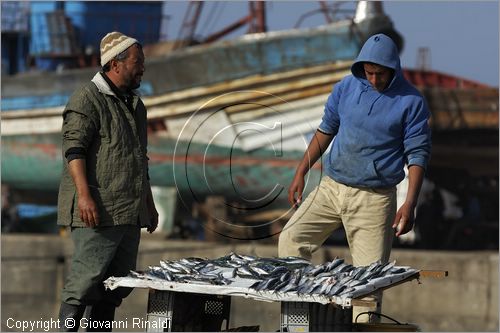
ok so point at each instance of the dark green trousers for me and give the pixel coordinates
(100, 253)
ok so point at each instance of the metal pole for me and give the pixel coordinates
(324, 9)
(260, 12)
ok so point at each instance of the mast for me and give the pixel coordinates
(367, 10)
(189, 24)
(256, 19)
(371, 19)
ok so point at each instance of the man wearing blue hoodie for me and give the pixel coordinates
(378, 123)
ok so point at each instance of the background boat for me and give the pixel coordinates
(243, 87)
(229, 118)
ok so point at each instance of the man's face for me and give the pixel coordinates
(132, 68)
(378, 76)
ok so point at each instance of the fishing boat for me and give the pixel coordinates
(227, 117)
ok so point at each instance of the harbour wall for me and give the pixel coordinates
(34, 268)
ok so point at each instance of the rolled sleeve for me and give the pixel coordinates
(418, 160)
(80, 120)
(77, 131)
(71, 157)
(331, 121)
(417, 140)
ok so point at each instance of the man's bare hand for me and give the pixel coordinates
(88, 211)
(297, 187)
(404, 220)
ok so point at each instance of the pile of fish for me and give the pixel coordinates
(281, 275)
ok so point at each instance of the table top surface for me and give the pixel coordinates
(241, 287)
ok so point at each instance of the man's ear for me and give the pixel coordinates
(113, 65)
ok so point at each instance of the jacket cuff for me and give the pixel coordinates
(75, 151)
(72, 157)
(325, 129)
(420, 161)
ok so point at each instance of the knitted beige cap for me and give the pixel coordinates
(113, 44)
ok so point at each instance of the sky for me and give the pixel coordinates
(462, 36)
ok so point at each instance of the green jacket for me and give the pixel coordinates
(96, 120)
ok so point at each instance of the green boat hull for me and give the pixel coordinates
(252, 179)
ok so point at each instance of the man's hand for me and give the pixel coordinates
(88, 211)
(404, 220)
(318, 145)
(153, 220)
(153, 213)
(86, 204)
(405, 217)
(297, 186)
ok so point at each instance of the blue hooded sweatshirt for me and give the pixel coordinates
(376, 133)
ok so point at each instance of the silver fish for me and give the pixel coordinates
(333, 264)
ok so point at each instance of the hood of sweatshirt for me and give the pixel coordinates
(381, 50)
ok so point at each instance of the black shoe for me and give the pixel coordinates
(101, 317)
(70, 316)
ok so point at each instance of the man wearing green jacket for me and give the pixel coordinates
(104, 196)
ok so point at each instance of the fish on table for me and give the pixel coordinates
(279, 275)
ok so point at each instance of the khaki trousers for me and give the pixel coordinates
(366, 214)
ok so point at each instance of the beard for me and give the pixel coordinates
(134, 82)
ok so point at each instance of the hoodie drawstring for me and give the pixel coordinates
(373, 103)
(365, 89)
